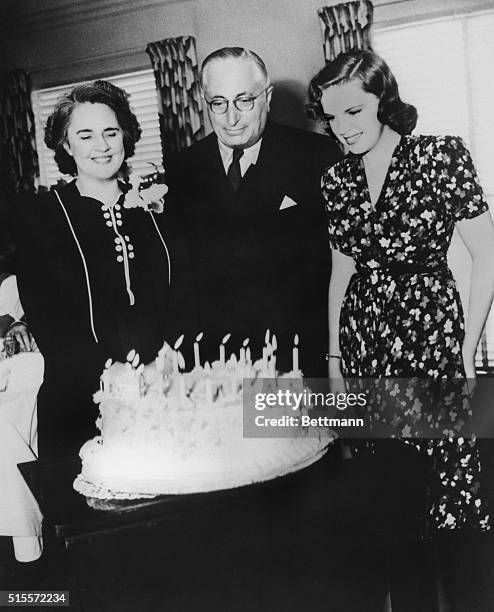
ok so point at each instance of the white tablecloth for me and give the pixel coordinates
(20, 516)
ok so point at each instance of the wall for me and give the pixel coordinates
(62, 41)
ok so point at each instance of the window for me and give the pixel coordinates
(444, 68)
(143, 99)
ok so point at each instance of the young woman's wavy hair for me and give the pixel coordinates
(376, 78)
(98, 92)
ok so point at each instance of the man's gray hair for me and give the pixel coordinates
(236, 53)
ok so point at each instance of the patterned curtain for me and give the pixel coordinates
(18, 156)
(346, 27)
(176, 72)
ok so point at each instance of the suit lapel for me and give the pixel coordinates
(264, 177)
(261, 189)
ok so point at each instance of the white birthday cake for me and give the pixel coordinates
(165, 431)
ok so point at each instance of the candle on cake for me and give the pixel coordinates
(176, 346)
(222, 348)
(103, 381)
(295, 354)
(265, 352)
(247, 351)
(242, 353)
(272, 361)
(197, 359)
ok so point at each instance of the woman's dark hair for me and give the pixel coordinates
(376, 78)
(98, 92)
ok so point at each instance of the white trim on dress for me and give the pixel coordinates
(165, 247)
(90, 297)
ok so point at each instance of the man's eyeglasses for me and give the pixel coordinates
(219, 106)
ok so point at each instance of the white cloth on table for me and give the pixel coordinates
(20, 516)
(10, 303)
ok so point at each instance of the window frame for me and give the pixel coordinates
(144, 104)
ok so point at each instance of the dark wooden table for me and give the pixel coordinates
(322, 539)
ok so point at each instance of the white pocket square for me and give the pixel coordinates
(287, 203)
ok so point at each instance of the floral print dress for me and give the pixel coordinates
(402, 315)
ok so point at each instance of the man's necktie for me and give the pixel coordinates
(234, 175)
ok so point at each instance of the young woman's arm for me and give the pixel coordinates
(343, 268)
(478, 236)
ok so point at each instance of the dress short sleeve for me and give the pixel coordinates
(331, 184)
(460, 185)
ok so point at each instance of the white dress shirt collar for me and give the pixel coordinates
(248, 158)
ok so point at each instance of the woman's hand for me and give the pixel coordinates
(20, 333)
(336, 380)
(334, 367)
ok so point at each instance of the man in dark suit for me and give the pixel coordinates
(246, 217)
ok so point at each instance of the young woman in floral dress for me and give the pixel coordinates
(392, 204)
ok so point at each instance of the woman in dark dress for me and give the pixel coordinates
(93, 273)
(392, 204)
